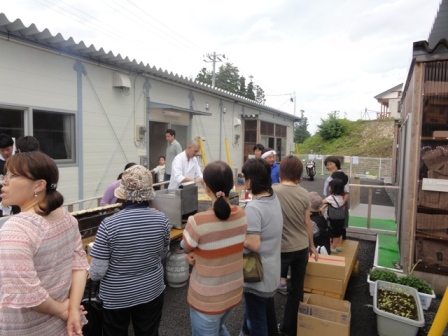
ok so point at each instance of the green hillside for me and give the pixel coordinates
(368, 138)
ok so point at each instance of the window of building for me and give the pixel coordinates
(55, 131)
(56, 134)
(12, 122)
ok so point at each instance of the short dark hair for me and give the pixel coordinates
(128, 165)
(161, 157)
(38, 166)
(27, 144)
(291, 168)
(5, 140)
(258, 146)
(336, 186)
(340, 175)
(218, 176)
(258, 171)
(171, 132)
(333, 159)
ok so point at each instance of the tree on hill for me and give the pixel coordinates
(301, 131)
(227, 78)
(332, 127)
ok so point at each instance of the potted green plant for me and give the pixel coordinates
(398, 309)
(425, 291)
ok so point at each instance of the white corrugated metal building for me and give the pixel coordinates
(86, 107)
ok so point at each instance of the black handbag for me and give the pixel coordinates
(336, 213)
(252, 267)
(94, 307)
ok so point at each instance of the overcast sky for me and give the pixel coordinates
(334, 54)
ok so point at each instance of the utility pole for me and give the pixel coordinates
(335, 113)
(213, 58)
(294, 97)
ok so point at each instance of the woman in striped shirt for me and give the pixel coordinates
(216, 236)
(127, 258)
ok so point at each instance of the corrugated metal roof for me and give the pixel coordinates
(439, 30)
(57, 43)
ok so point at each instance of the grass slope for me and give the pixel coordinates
(368, 138)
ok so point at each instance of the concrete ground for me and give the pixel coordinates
(175, 319)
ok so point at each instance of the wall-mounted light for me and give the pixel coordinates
(207, 106)
(224, 109)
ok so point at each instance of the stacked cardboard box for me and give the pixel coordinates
(322, 315)
(326, 275)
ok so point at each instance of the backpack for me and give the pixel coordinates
(320, 226)
(336, 213)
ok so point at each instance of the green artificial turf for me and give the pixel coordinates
(387, 250)
(378, 224)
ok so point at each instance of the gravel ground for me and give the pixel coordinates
(175, 319)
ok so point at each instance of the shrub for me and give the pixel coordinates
(420, 285)
(383, 274)
(409, 280)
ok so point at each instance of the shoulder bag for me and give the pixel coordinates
(94, 306)
(252, 267)
(336, 213)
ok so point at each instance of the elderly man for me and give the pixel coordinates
(269, 156)
(185, 167)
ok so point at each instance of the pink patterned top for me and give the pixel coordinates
(36, 261)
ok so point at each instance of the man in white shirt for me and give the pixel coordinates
(185, 166)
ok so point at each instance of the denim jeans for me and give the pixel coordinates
(208, 325)
(259, 316)
(297, 261)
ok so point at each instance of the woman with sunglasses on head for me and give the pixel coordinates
(264, 234)
(43, 267)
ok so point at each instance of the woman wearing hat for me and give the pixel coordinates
(127, 258)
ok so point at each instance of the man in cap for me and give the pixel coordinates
(269, 156)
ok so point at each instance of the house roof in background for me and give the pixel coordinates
(397, 88)
(17, 31)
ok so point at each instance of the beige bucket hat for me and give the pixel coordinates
(135, 185)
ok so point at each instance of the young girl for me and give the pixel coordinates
(336, 201)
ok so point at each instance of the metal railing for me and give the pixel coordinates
(87, 203)
(369, 210)
(355, 166)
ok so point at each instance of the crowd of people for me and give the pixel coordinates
(43, 266)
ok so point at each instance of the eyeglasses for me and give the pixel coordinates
(7, 177)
